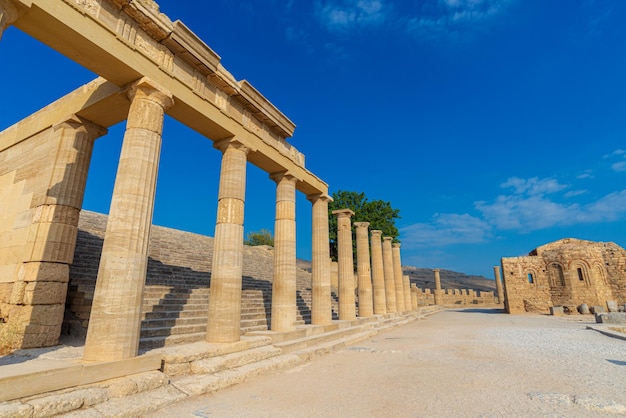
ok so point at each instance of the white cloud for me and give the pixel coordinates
(532, 204)
(446, 229)
(620, 166)
(346, 15)
(533, 186)
(454, 17)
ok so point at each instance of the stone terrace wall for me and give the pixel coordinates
(455, 297)
(176, 258)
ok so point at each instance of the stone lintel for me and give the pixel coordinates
(343, 213)
(361, 224)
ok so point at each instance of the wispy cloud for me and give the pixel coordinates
(347, 15)
(445, 229)
(529, 205)
(454, 18)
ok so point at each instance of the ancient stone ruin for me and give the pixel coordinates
(566, 273)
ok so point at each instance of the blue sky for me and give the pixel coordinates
(495, 126)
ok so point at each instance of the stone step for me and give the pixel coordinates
(316, 339)
(175, 330)
(246, 330)
(148, 343)
(171, 322)
(209, 383)
(187, 307)
(175, 314)
(234, 360)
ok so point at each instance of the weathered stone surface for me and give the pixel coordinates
(611, 305)
(568, 272)
(583, 309)
(611, 318)
(15, 409)
(557, 311)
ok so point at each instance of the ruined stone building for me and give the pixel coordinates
(567, 272)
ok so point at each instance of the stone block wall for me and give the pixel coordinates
(454, 297)
(42, 181)
(568, 272)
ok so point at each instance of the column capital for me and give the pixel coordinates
(224, 144)
(318, 196)
(387, 239)
(436, 270)
(376, 233)
(361, 224)
(76, 122)
(343, 213)
(147, 89)
(496, 268)
(280, 175)
(396, 245)
(9, 13)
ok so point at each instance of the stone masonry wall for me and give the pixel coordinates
(568, 272)
(176, 258)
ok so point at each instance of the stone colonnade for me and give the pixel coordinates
(382, 286)
(45, 158)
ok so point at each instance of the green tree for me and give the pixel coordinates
(380, 214)
(262, 237)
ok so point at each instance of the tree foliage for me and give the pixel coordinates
(261, 237)
(380, 214)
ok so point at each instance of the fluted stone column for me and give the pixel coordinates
(397, 277)
(407, 292)
(390, 284)
(321, 308)
(438, 291)
(347, 300)
(284, 285)
(115, 319)
(224, 317)
(8, 15)
(363, 268)
(378, 273)
(499, 291)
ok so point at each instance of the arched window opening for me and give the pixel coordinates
(581, 277)
(531, 279)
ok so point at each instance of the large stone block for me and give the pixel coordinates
(42, 271)
(557, 311)
(45, 293)
(46, 315)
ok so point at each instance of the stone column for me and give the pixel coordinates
(414, 296)
(224, 317)
(284, 285)
(378, 274)
(347, 300)
(115, 319)
(8, 15)
(363, 268)
(397, 277)
(407, 292)
(390, 284)
(438, 291)
(499, 291)
(321, 308)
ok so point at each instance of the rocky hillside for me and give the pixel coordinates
(425, 279)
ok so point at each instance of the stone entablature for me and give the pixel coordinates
(568, 272)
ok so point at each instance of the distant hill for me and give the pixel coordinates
(425, 279)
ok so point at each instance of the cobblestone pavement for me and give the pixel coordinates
(458, 363)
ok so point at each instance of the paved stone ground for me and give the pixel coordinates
(465, 363)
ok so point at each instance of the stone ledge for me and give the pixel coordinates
(33, 378)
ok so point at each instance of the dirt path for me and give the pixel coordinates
(466, 363)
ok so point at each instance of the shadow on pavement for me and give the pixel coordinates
(482, 310)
